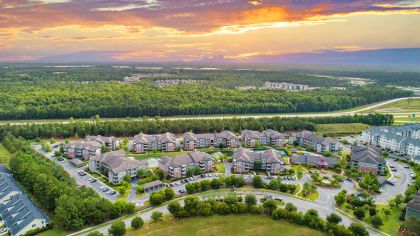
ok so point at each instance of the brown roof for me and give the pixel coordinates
(117, 162)
(152, 184)
(269, 155)
(147, 138)
(186, 159)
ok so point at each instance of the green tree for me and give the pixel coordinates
(169, 193)
(117, 228)
(358, 229)
(95, 233)
(156, 198)
(156, 216)
(250, 200)
(334, 218)
(376, 221)
(137, 222)
(257, 181)
(359, 213)
(290, 207)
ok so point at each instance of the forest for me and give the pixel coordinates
(131, 127)
(61, 93)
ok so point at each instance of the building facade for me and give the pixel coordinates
(224, 139)
(112, 142)
(266, 138)
(83, 150)
(318, 161)
(116, 166)
(319, 144)
(245, 160)
(368, 160)
(177, 167)
(149, 142)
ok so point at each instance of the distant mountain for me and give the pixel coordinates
(379, 57)
(396, 57)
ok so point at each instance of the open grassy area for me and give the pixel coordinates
(336, 130)
(220, 167)
(144, 156)
(225, 225)
(312, 196)
(409, 105)
(53, 232)
(391, 222)
(4, 155)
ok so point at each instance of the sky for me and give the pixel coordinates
(194, 30)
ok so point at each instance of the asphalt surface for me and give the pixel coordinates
(80, 180)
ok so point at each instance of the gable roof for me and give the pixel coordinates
(186, 159)
(414, 204)
(92, 145)
(8, 185)
(269, 155)
(367, 154)
(311, 159)
(196, 137)
(147, 138)
(19, 212)
(117, 162)
(101, 139)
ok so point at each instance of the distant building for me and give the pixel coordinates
(224, 138)
(266, 138)
(82, 150)
(245, 160)
(154, 185)
(319, 144)
(112, 142)
(413, 207)
(285, 86)
(177, 167)
(367, 160)
(319, 161)
(116, 166)
(148, 142)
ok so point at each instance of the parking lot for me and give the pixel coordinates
(81, 179)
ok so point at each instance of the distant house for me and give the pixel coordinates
(116, 165)
(177, 167)
(266, 138)
(245, 160)
(112, 142)
(413, 207)
(18, 212)
(367, 159)
(319, 161)
(148, 142)
(224, 139)
(82, 150)
(319, 144)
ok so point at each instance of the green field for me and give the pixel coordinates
(4, 155)
(391, 222)
(220, 167)
(53, 232)
(226, 225)
(409, 105)
(337, 130)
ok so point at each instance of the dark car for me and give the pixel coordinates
(60, 159)
(181, 191)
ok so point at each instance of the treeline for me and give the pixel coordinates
(56, 192)
(53, 99)
(233, 204)
(131, 127)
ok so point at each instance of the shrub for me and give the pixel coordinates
(137, 222)
(156, 198)
(334, 218)
(250, 200)
(377, 221)
(117, 228)
(156, 216)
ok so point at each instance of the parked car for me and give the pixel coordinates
(105, 189)
(82, 173)
(181, 191)
(112, 192)
(171, 185)
(60, 159)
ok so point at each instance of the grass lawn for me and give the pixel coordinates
(409, 105)
(231, 225)
(391, 222)
(4, 155)
(144, 156)
(53, 232)
(220, 167)
(336, 130)
(312, 196)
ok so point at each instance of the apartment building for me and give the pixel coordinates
(112, 142)
(266, 138)
(368, 160)
(148, 142)
(245, 160)
(176, 167)
(224, 139)
(83, 149)
(319, 144)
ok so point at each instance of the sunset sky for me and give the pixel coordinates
(189, 30)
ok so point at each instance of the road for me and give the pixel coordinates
(209, 117)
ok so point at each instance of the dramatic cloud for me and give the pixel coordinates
(30, 28)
